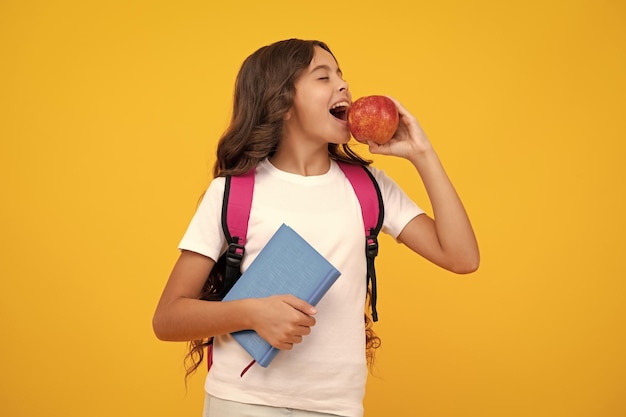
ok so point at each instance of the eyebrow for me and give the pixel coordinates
(327, 68)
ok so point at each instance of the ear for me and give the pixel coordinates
(287, 115)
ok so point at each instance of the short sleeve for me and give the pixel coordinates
(399, 208)
(204, 234)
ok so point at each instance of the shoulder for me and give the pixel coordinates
(216, 187)
(213, 195)
(395, 201)
(385, 182)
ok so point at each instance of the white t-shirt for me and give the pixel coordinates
(327, 372)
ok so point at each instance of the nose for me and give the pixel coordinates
(343, 86)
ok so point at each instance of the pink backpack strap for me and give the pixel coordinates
(368, 193)
(365, 188)
(237, 205)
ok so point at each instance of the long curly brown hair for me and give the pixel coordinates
(264, 92)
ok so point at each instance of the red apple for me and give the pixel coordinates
(373, 118)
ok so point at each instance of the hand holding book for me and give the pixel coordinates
(283, 320)
(287, 264)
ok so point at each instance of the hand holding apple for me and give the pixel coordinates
(409, 140)
(373, 119)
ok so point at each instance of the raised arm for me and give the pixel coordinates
(447, 239)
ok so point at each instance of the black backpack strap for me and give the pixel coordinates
(372, 208)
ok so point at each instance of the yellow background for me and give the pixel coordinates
(109, 115)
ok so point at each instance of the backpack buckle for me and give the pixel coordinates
(371, 246)
(234, 254)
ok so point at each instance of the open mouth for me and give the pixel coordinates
(340, 110)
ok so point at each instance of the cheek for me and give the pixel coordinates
(308, 107)
(310, 104)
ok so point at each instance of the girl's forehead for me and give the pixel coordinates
(322, 58)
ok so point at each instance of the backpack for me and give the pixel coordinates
(236, 205)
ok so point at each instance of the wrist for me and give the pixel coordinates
(423, 157)
(250, 313)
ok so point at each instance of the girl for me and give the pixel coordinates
(289, 121)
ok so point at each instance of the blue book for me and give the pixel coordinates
(287, 264)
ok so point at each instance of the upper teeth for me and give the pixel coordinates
(340, 104)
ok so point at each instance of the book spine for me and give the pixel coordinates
(268, 357)
(324, 286)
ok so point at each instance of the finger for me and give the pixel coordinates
(304, 331)
(288, 341)
(284, 346)
(300, 305)
(399, 106)
(375, 148)
(406, 117)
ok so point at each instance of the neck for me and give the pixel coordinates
(301, 159)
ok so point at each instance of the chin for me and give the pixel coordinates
(346, 137)
(342, 141)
